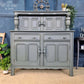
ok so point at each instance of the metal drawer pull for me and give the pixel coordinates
(39, 23)
(19, 37)
(64, 37)
(49, 38)
(34, 38)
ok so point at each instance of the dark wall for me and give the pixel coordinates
(8, 6)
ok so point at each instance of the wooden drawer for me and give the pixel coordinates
(27, 37)
(56, 37)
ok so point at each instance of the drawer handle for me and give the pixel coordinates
(49, 38)
(39, 23)
(64, 37)
(34, 38)
(19, 38)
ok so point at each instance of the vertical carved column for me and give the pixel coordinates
(68, 21)
(16, 21)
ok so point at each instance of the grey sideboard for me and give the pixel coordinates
(42, 40)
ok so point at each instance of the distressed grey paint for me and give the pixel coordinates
(58, 49)
(42, 49)
(6, 17)
(48, 23)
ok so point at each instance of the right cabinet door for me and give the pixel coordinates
(56, 54)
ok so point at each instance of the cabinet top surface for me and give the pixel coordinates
(41, 12)
(41, 31)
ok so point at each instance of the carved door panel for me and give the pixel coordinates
(29, 23)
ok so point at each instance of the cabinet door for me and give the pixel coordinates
(27, 53)
(29, 23)
(56, 54)
(54, 23)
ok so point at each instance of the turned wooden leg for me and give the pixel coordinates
(12, 71)
(71, 71)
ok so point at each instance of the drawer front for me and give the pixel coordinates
(27, 37)
(56, 37)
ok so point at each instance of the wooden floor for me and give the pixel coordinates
(43, 77)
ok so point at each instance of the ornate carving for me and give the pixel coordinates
(68, 21)
(41, 5)
(16, 22)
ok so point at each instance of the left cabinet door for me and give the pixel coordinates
(27, 53)
(29, 23)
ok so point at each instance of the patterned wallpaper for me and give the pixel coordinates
(78, 4)
(29, 4)
(79, 20)
(8, 6)
(6, 15)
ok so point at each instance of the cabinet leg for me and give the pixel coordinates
(12, 71)
(77, 53)
(71, 71)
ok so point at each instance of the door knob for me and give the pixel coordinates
(44, 51)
